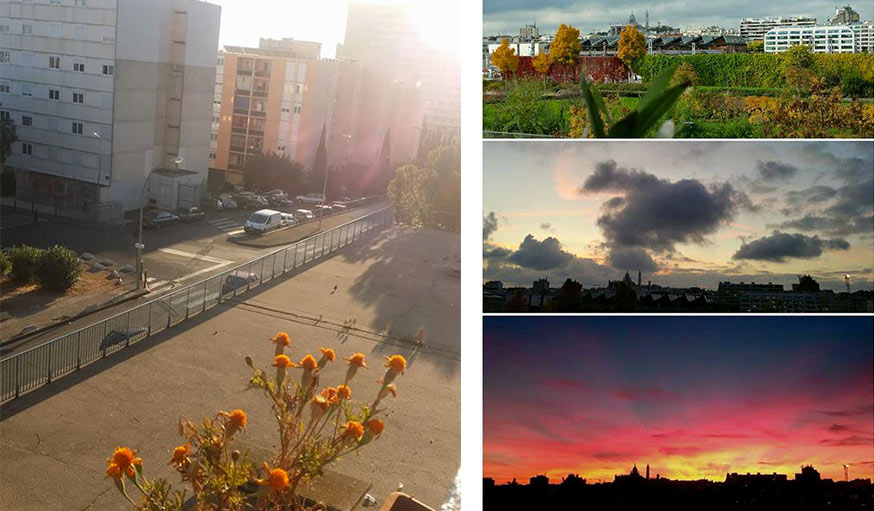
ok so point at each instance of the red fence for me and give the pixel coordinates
(598, 70)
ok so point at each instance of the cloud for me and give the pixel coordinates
(834, 428)
(631, 259)
(546, 226)
(851, 412)
(779, 246)
(775, 170)
(490, 225)
(540, 255)
(848, 441)
(830, 225)
(495, 252)
(655, 213)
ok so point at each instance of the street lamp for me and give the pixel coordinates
(139, 246)
(99, 159)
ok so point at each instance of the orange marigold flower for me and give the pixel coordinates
(391, 388)
(180, 453)
(396, 363)
(320, 402)
(277, 479)
(375, 426)
(353, 429)
(237, 419)
(122, 462)
(309, 363)
(282, 361)
(282, 338)
(330, 394)
(357, 360)
(344, 392)
(329, 354)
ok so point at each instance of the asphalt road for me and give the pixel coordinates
(174, 257)
(370, 298)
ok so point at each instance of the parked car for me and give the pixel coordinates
(323, 209)
(277, 193)
(212, 203)
(304, 214)
(287, 220)
(339, 205)
(228, 202)
(190, 214)
(251, 201)
(157, 219)
(263, 221)
(237, 280)
(280, 201)
(311, 198)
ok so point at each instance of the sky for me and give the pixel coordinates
(245, 21)
(507, 16)
(692, 397)
(685, 214)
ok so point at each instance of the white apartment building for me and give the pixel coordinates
(754, 29)
(105, 95)
(820, 38)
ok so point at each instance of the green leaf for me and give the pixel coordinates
(658, 86)
(595, 120)
(601, 106)
(656, 108)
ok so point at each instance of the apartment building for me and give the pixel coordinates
(821, 38)
(106, 95)
(754, 29)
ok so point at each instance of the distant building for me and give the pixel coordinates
(539, 481)
(529, 33)
(844, 16)
(573, 481)
(757, 478)
(729, 293)
(808, 475)
(821, 38)
(754, 29)
(616, 30)
(633, 476)
(540, 285)
(105, 96)
(488, 483)
(494, 285)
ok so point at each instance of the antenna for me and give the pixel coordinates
(846, 472)
(847, 281)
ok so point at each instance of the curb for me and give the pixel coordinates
(248, 242)
(130, 295)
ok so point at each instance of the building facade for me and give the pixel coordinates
(844, 16)
(106, 95)
(821, 38)
(754, 29)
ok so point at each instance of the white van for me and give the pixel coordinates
(263, 221)
(304, 215)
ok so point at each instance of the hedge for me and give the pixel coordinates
(57, 268)
(763, 70)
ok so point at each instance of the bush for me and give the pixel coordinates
(855, 86)
(5, 264)
(23, 259)
(58, 268)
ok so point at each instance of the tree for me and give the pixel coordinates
(268, 171)
(541, 65)
(685, 75)
(568, 297)
(625, 299)
(410, 193)
(797, 66)
(505, 58)
(8, 136)
(632, 46)
(565, 48)
(756, 47)
(517, 303)
(806, 284)
(430, 194)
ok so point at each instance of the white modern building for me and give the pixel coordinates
(754, 29)
(106, 95)
(821, 38)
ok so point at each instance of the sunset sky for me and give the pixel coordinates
(693, 397)
(685, 214)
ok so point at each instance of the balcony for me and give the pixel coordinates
(240, 130)
(258, 113)
(241, 92)
(262, 72)
(260, 93)
(255, 132)
(238, 149)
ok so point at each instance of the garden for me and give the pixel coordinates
(797, 94)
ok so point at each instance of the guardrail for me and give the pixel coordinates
(42, 364)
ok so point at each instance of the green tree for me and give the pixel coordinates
(505, 59)
(568, 297)
(807, 284)
(632, 46)
(410, 193)
(268, 171)
(756, 47)
(625, 299)
(8, 136)
(797, 66)
(445, 163)
(685, 75)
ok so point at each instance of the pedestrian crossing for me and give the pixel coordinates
(227, 225)
(157, 286)
(13, 220)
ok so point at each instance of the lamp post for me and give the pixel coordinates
(324, 197)
(99, 159)
(139, 246)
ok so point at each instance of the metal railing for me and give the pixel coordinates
(42, 364)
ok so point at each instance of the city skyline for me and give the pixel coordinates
(591, 396)
(506, 17)
(683, 214)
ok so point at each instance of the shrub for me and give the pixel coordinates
(685, 74)
(23, 259)
(57, 268)
(855, 86)
(5, 264)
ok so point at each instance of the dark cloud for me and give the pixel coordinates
(848, 441)
(815, 194)
(546, 226)
(780, 245)
(540, 255)
(490, 225)
(775, 170)
(851, 412)
(655, 213)
(631, 259)
(495, 252)
(835, 428)
(830, 225)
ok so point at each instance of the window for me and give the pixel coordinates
(4, 56)
(297, 109)
(55, 94)
(298, 88)
(4, 88)
(78, 97)
(81, 3)
(77, 128)
(108, 70)
(211, 156)
(55, 62)
(27, 29)
(26, 120)
(56, 2)
(79, 67)
(4, 29)
(26, 148)
(213, 136)
(4, 115)
(27, 89)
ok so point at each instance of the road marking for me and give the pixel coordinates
(218, 262)
(238, 231)
(13, 220)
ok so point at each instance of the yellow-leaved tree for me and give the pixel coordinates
(565, 48)
(505, 58)
(541, 65)
(632, 46)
